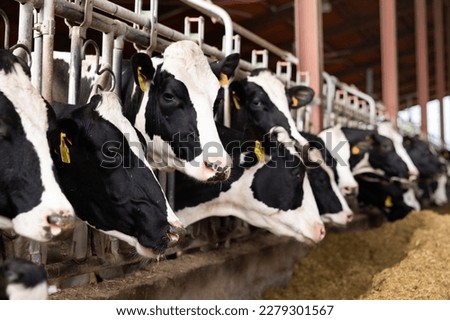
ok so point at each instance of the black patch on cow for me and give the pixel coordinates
(286, 173)
(106, 183)
(191, 193)
(21, 185)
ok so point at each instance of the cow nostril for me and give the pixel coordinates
(54, 219)
(350, 217)
(322, 233)
(175, 234)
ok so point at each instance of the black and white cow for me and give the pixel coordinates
(372, 158)
(261, 101)
(171, 103)
(384, 194)
(432, 179)
(332, 205)
(101, 161)
(272, 193)
(22, 280)
(31, 201)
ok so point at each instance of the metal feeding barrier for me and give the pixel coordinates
(77, 258)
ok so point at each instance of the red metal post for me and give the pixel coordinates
(439, 60)
(389, 67)
(309, 50)
(422, 60)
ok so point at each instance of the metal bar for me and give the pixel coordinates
(25, 35)
(36, 76)
(47, 52)
(107, 48)
(7, 29)
(75, 14)
(75, 65)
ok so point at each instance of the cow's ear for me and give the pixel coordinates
(143, 70)
(224, 69)
(300, 96)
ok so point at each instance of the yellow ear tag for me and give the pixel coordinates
(294, 102)
(142, 80)
(259, 151)
(355, 150)
(63, 148)
(223, 79)
(236, 101)
(388, 202)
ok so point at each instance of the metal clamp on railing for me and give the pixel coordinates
(198, 36)
(284, 71)
(260, 58)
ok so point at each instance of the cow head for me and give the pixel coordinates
(31, 201)
(176, 113)
(268, 189)
(291, 195)
(372, 152)
(262, 101)
(332, 205)
(387, 129)
(383, 194)
(432, 171)
(100, 159)
(337, 144)
(22, 280)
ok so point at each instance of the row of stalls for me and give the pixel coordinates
(73, 260)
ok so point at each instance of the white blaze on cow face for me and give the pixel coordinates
(276, 91)
(339, 147)
(409, 197)
(439, 196)
(54, 212)
(187, 63)
(387, 129)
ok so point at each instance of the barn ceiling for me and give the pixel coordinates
(351, 35)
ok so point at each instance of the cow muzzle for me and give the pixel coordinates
(60, 222)
(175, 234)
(221, 168)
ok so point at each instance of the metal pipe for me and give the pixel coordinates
(48, 31)
(7, 29)
(117, 62)
(75, 64)
(36, 75)
(107, 48)
(75, 13)
(25, 34)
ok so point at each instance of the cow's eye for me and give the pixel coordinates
(168, 97)
(257, 103)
